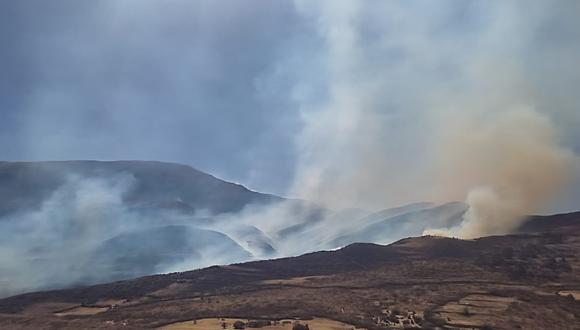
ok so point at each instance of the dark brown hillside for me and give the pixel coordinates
(554, 223)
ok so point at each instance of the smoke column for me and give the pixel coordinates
(398, 108)
(510, 164)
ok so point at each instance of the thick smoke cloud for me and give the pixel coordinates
(420, 102)
(511, 165)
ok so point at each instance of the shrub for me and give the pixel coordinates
(466, 311)
(239, 325)
(418, 320)
(259, 323)
(300, 326)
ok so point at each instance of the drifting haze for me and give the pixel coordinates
(48, 247)
(86, 232)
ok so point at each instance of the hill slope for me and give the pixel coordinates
(524, 280)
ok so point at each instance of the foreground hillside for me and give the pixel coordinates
(528, 280)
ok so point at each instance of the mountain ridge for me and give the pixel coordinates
(143, 169)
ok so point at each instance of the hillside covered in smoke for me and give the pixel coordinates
(80, 222)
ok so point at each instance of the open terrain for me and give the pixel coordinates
(528, 280)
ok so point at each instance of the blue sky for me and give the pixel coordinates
(280, 94)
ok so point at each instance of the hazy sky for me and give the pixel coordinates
(164, 80)
(236, 88)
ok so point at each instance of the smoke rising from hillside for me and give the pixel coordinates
(399, 109)
(511, 165)
(48, 247)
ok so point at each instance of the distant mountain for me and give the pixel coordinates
(253, 240)
(155, 185)
(331, 230)
(388, 225)
(395, 211)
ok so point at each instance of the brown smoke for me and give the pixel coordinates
(409, 114)
(510, 164)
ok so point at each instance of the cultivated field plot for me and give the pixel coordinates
(285, 324)
(476, 310)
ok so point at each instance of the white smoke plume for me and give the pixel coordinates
(399, 108)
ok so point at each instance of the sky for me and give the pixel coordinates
(156, 80)
(297, 98)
